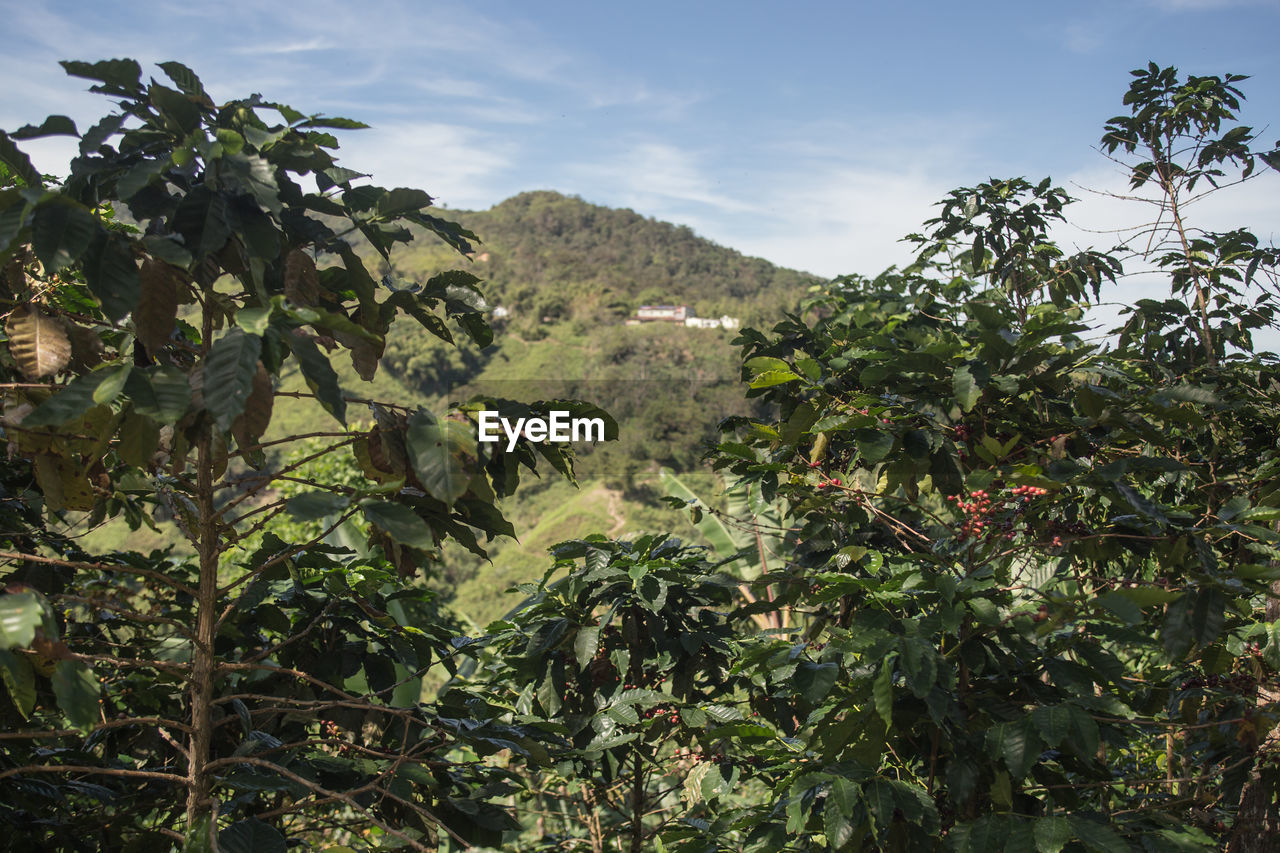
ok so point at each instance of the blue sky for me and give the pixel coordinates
(814, 134)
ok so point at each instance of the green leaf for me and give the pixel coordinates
(68, 403)
(251, 836)
(184, 78)
(61, 232)
(987, 833)
(139, 440)
(18, 162)
(773, 377)
(836, 826)
(112, 274)
(77, 691)
(1017, 744)
(1084, 730)
(20, 680)
(586, 643)
(228, 375)
(881, 802)
(627, 715)
(476, 328)
(139, 176)
(402, 200)
(182, 113)
(874, 446)
(13, 216)
(1052, 833)
(335, 122)
(967, 389)
(119, 75)
(20, 615)
(1053, 722)
(814, 681)
(203, 220)
(161, 393)
(1122, 606)
(319, 373)
(51, 126)
(1097, 836)
(113, 380)
(882, 691)
(400, 522)
(439, 451)
(316, 505)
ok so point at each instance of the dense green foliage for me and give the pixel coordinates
(257, 686)
(985, 579)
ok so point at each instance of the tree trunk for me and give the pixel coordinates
(199, 804)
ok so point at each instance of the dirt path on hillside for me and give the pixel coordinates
(614, 507)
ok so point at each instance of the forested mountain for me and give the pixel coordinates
(569, 274)
(544, 254)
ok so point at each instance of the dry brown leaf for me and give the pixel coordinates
(157, 311)
(37, 341)
(301, 282)
(249, 426)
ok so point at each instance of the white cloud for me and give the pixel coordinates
(457, 165)
(275, 49)
(843, 219)
(659, 179)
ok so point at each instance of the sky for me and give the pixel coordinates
(813, 134)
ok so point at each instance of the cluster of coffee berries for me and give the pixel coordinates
(979, 508)
(962, 432)
(663, 712)
(834, 481)
(651, 678)
(977, 511)
(1239, 683)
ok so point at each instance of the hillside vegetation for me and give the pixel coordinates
(569, 273)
